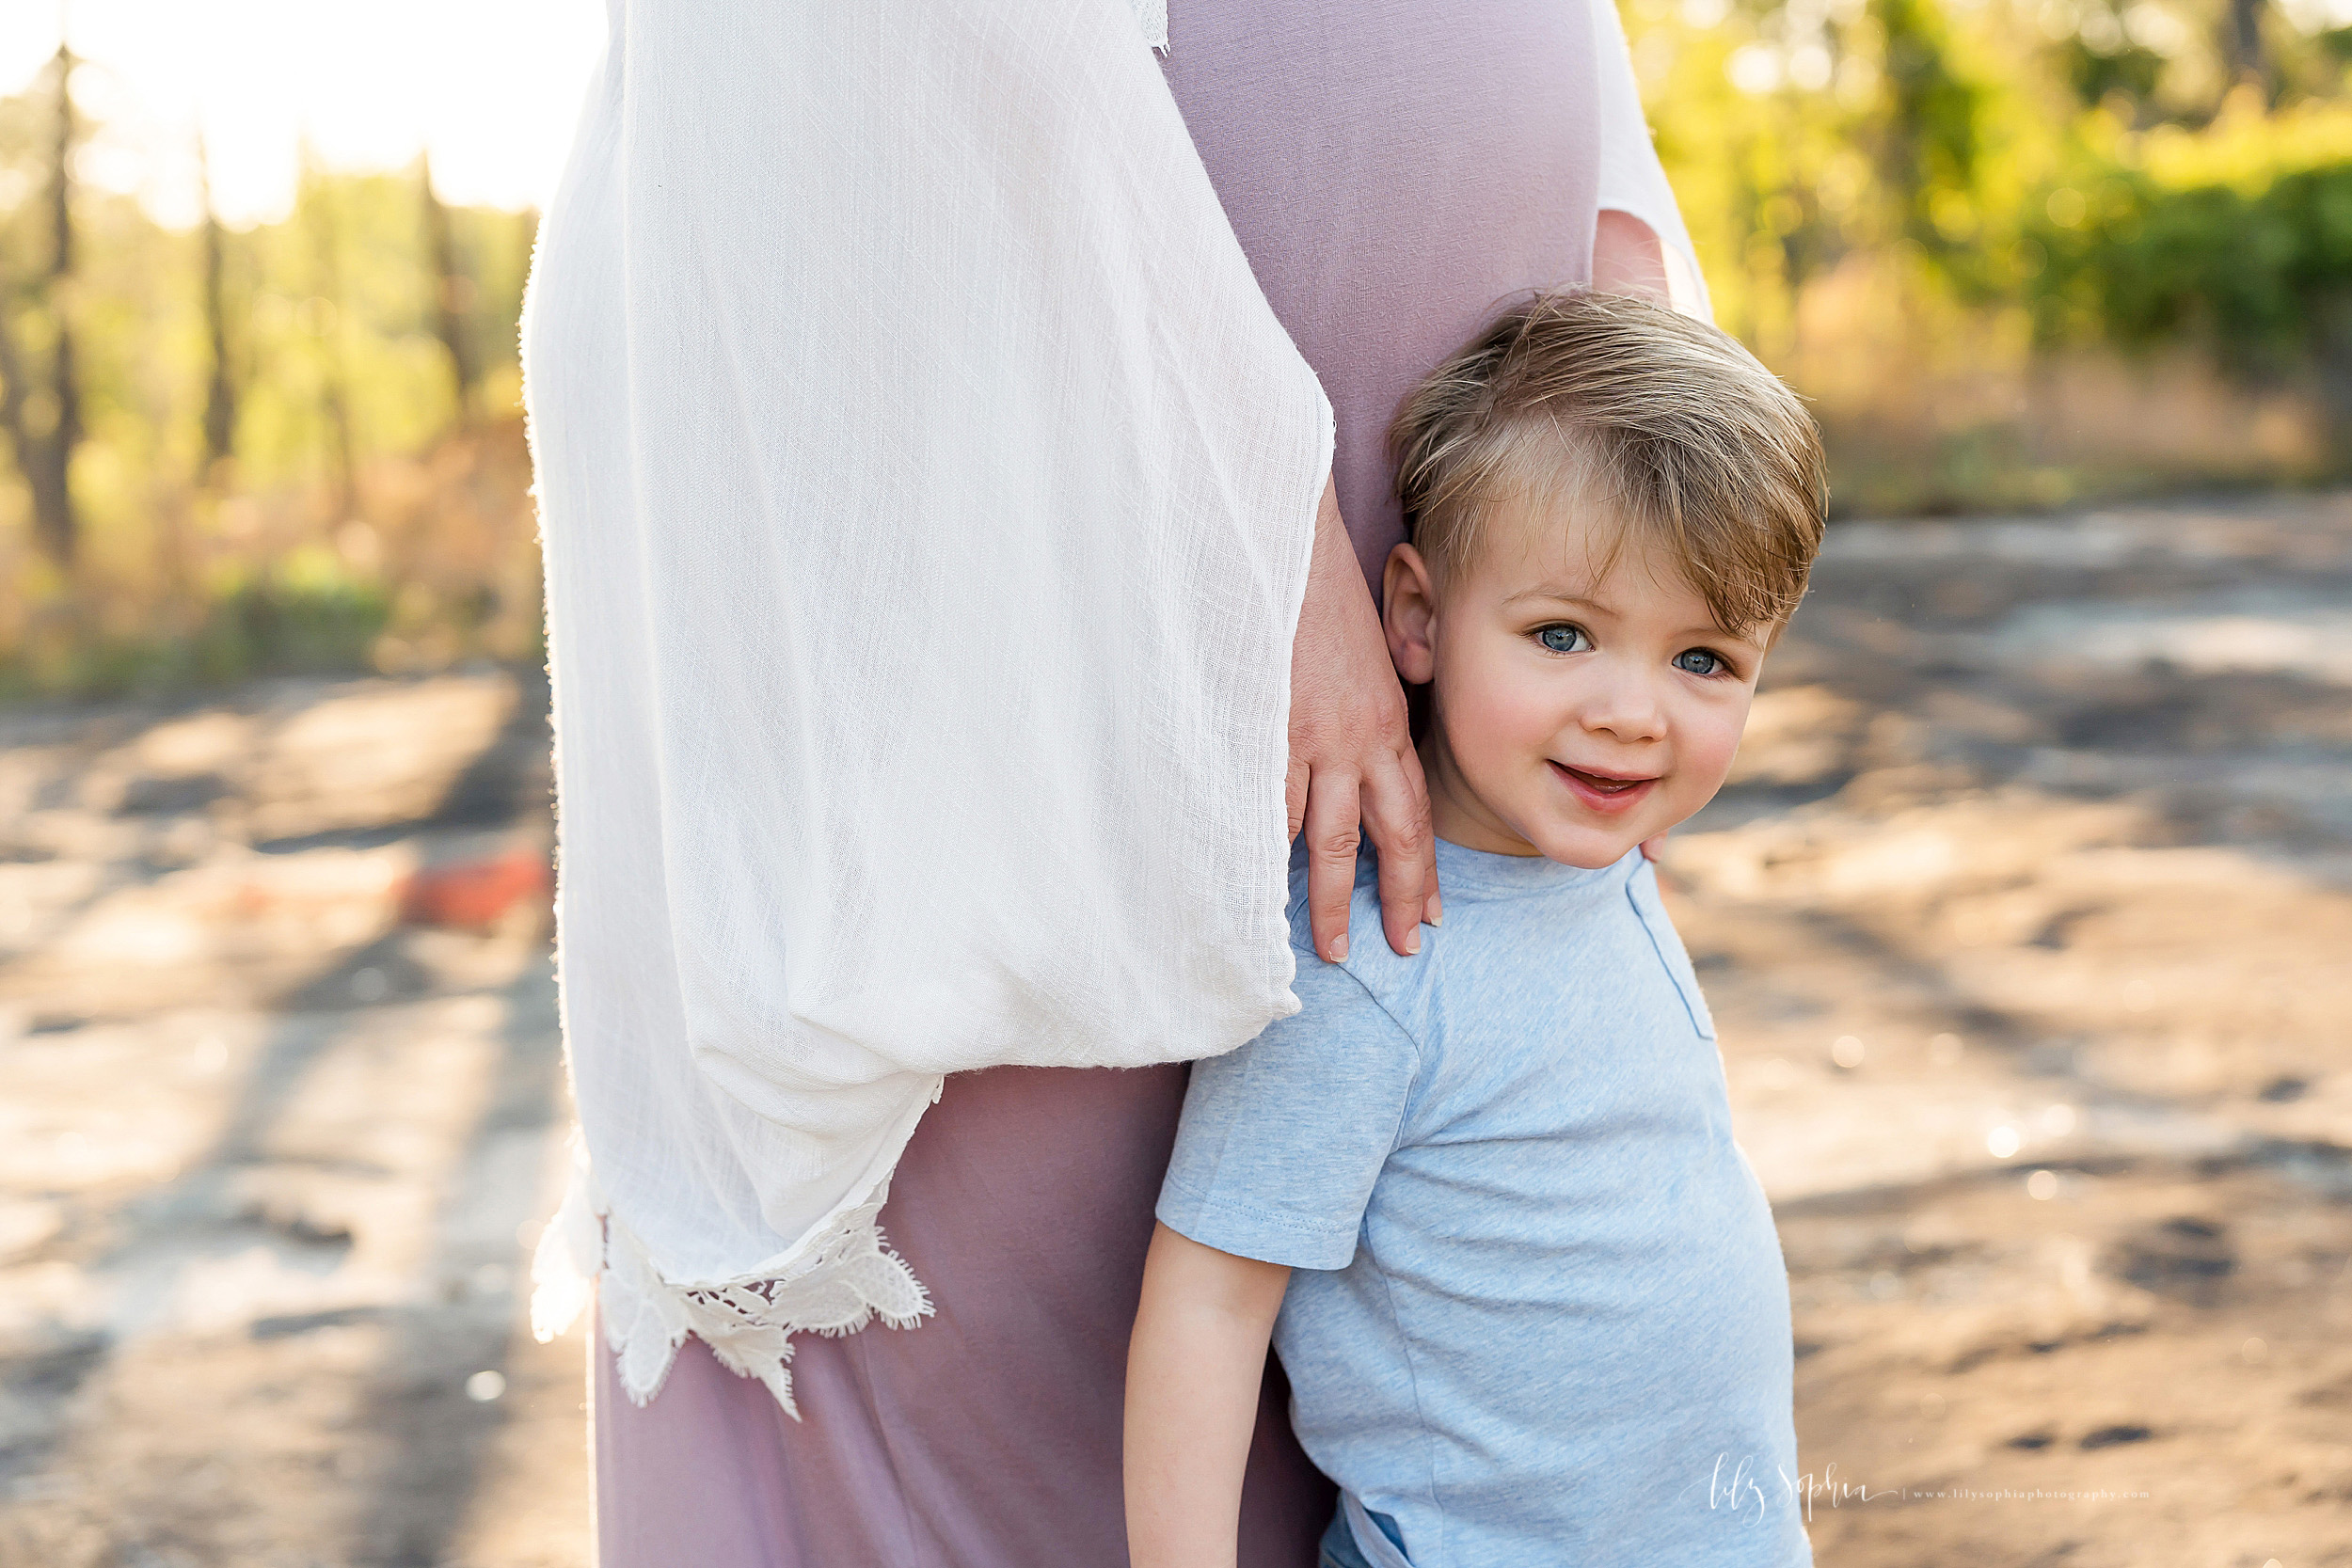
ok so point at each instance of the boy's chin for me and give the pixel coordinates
(1587, 849)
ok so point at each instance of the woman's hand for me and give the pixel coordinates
(1353, 768)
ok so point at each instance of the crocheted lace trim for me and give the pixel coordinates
(1151, 15)
(847, 1278)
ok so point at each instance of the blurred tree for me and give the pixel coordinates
(452, 293)
(220, 393)
(59, 528)
(15, 387)
(2249, 60)
(1927, 122)
(2103, 65)
(44, 424)
(324, 313)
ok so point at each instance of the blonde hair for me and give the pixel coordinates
(1693, 445)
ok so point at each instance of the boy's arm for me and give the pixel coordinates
(1192, 1372)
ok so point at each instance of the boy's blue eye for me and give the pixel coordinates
(1698, 661)
(1564, 640)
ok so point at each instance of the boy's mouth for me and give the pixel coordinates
(1604, 792)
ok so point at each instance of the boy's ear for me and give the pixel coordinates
(1410, 616)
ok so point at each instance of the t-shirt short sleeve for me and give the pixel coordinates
(1281, 1139)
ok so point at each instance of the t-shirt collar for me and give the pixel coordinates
(1517, 874)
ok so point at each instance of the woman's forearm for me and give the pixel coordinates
(1192, 1372)
(1628, 258)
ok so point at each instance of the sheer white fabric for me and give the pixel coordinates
(926, 491)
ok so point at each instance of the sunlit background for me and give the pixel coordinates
(487, 88)
(2023, 915)
(283, 433)
(2021, 253)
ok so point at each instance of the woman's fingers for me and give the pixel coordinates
(1389, 803)
(1334, 832)
(1396, 819)
(1295, 783)
(1432, 904)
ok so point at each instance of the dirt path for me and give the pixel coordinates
(268, 1154)
(2025, 924)
(2028, 925)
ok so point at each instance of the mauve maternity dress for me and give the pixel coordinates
(1394, 170)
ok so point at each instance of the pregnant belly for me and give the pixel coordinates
(1395, 172)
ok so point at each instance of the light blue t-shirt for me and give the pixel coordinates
(1540, 1314)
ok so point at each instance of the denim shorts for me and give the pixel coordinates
(1339, 1548)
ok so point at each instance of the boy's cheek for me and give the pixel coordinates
(1494, 719)
(1705, 761)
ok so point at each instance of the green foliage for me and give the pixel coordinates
(2131, 73)
(1935, 216)
(349, 449)
(254, 630)
(1936, 133)
(1925, 124)
(1799, 137)
(2012, 249)
(2241, 237)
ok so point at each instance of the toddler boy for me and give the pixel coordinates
(1529, 1297)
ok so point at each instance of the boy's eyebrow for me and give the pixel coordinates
(1560, 596)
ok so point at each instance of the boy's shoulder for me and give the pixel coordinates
(1372, 979)
(1400, 985)
(1367, 939)
(1506, 925)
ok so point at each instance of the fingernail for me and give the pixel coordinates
(1412, 940)
(1436, 913)
(1338, 950)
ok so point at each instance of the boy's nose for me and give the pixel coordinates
(1627, 708)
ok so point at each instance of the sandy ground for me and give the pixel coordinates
(2028, 924)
